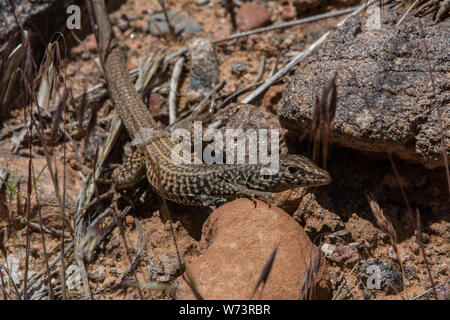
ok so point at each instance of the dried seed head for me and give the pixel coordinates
(383, 222)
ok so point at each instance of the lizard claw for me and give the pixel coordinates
(267, 198)
(270, 199)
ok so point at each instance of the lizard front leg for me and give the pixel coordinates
(230, 190)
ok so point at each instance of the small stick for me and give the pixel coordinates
(132, 73)
(139, 248)
(236, 93)
(173, 89)
(287, 24)
(262, 68)
(337, 295)
(33, 281)
(429, 290)
(407, 13)
(275, 65)
(119, 224)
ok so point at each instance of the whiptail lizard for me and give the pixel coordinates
(190, 184)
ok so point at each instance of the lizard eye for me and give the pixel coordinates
(292, 170)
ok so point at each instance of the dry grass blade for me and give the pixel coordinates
(91, 124)
(4, 212)
(125, 242)
(438, 111)
(10, 65)
(383, 222)
(305, 285)
(82, 108)
(429, 290)
(414, 222)
(18, 200)
(323, 116)
(58, 116)
(5, 294)
(10, 280)
(422, 250)
(230, 96)
(339, 294)
(413, 5)
(28, 63)
(393, 288)
(386, 225)
(191, 283)
(48, 79)
(2, 242)
(148, 73)
(28, 217)
(173, 89)
(27, 72)
(265, 272)
(261, 69)
(310, 277)
(89, 241)
(166, 210)
(17, 69)
(105, 232)
(34, 282)
(44, 246)
(140, 246)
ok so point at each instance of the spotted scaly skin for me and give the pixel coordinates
(189, 184)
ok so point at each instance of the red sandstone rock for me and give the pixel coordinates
(240, 239)
(251, 16)
(288, 13)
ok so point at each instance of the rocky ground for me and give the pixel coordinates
(324, 242)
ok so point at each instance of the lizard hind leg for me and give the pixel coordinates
(130, 172)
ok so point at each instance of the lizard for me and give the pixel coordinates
(188, 184)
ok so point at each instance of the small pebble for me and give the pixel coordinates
(366, 295)
(123, 23)
(238, 68)
(328, 249)
(85, 56)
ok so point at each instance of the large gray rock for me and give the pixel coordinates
(385, 95)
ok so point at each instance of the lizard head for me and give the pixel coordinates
(296, 171)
